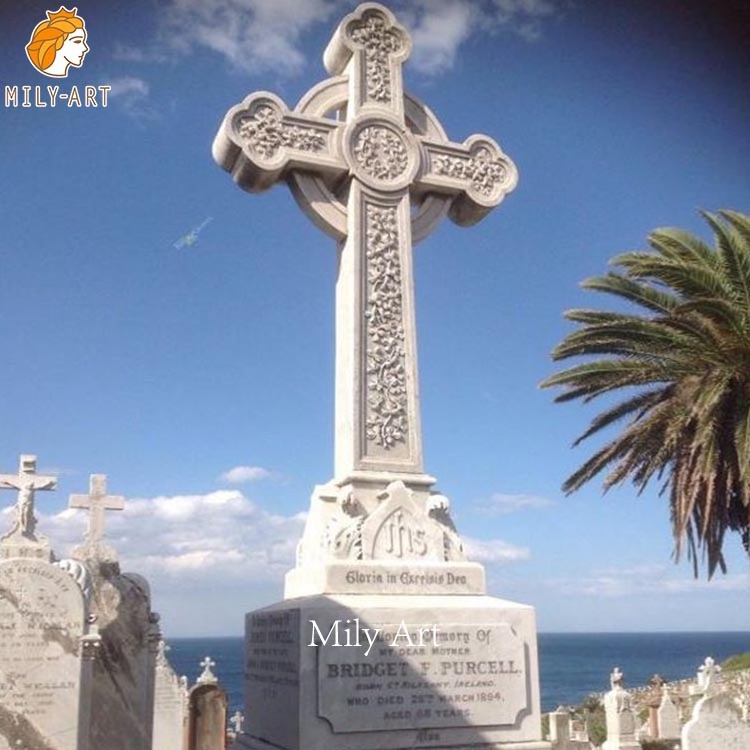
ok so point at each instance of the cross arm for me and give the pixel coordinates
(476, 172)
(108, 502)
(261, 140)
(20, 481)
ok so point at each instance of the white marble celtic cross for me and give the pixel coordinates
(27, 482)
(372, 167)
(97, 502)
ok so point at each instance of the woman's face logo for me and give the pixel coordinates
(58, 43)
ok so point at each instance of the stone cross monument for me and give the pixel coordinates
(372, 167)
(97, 502)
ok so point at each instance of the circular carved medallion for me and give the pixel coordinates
(381, 154)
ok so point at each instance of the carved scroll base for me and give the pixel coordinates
(381, 537)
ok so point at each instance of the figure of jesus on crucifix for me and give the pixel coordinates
(26, 482)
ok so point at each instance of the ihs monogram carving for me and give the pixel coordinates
(386, 361)
(266, 133)
(380, 152)
(402, 539)
(379, 41)
(482, 170)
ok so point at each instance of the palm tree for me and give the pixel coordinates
(681, 363)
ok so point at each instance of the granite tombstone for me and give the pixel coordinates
(207, 711)
(47, 639)
(170, 705)
(124, 674)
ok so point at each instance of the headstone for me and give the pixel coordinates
(620, 716)
(559, 729)
(716, 724)
(124, 675)
(47, 638)
(207, 712)
(668, 718)
(170, 705)
(385, 637)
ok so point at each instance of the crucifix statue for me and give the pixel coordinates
(373, 168)
(26, 482)
(97, 502)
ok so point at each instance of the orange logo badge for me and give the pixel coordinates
(58, 43)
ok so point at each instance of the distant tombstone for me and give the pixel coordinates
(47, 640)
(170, 705)
(707, 680)
(620, 716)
(668, 718)
(207, 712)
(559, 729)
(123, 681)
(716, 725)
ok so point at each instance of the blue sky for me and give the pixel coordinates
(199, 375)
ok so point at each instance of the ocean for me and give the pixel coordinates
(572, 665)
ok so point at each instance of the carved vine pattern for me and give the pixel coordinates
(379, 42)
(483, 171)
(387, 422)
(380, 153)
(266, 133)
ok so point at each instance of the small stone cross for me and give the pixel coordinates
(237, 720)
(358, 134)
(27, 482)
(96, 502)
(207, 675)
(708, 675)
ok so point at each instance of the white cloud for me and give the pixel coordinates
(437, 30)
(132, 95)
(501, 504)
(252, 34)
(494, 552)
(260, 35)
(221, 537)
(241, 474)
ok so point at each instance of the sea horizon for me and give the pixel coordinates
(572, 665)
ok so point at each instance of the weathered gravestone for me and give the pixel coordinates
(207, 712)
(716, 724)
(170, 705)
(668, 718)
(620, 716)
(46, 639)
(124, 673)
(385, 638)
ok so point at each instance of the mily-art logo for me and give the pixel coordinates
(58, 42)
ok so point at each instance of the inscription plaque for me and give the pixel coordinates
(41, 623)
(416, 678)
(272, 659)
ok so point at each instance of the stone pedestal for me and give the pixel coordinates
(381, 671)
